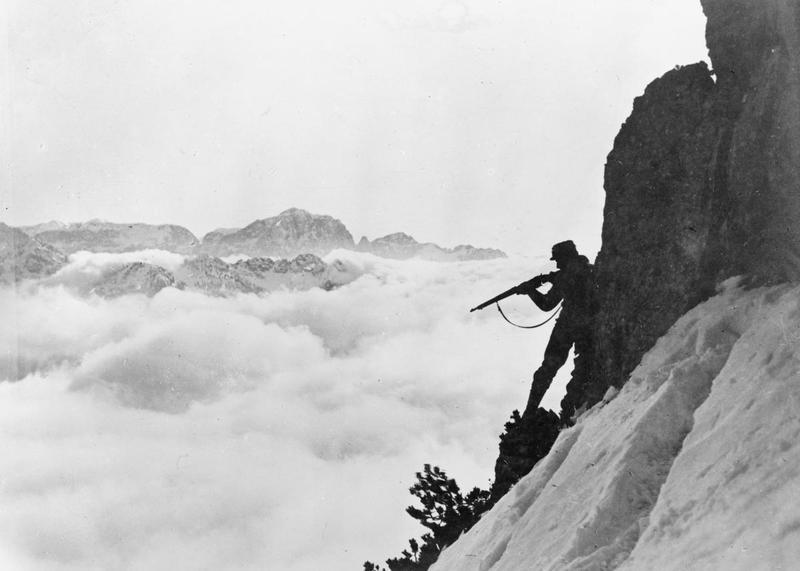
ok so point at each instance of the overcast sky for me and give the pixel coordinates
(455, 121)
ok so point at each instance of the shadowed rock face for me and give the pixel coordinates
(522, 445)
(755, 50)
(703, 182)
(657, 219)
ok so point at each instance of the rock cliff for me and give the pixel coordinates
(657, 220)
(703, 181)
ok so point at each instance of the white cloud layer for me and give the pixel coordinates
(274, 432)
(84, 269)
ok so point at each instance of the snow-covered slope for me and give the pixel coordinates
(694, 465)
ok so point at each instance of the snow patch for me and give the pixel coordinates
(696, 454)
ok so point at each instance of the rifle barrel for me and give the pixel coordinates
(521, 288)
(502, 296)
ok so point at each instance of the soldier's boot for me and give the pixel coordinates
(539, 387)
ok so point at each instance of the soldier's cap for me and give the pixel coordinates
(564, 249)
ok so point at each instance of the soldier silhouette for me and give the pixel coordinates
(573, 286)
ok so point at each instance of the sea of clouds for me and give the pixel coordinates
(279, 431)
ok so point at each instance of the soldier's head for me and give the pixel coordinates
(564, 252)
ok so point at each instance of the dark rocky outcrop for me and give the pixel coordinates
(100, 236)
(23, 257)
(657, 218)
(524, 442)
(755, 51)
(703, 182)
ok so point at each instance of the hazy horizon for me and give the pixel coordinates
(456, 122)
(201, 235)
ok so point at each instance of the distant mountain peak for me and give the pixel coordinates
(402, 246)
(398, 237)
(292, 232)
(296, 212)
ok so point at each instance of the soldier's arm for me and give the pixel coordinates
(546, 301)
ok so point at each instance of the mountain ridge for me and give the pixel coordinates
(99, 235)
(290, 233)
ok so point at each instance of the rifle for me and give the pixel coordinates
(524, 287)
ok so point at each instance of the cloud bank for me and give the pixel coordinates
(253, 432)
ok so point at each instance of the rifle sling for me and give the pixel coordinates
(552, 315)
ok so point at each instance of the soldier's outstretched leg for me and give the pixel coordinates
(555, 355)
